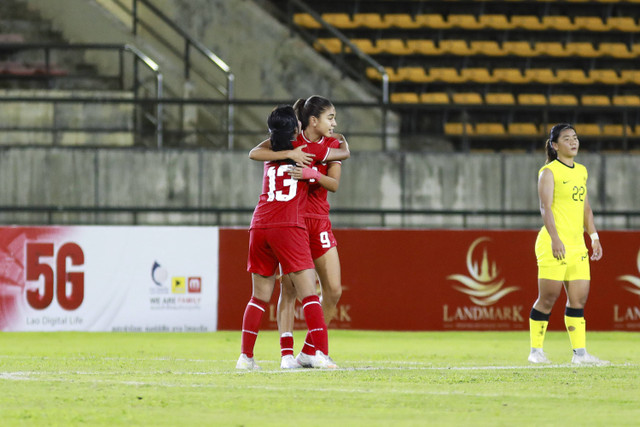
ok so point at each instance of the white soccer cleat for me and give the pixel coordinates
(305, 360)
(289, 362)
(537, 356)
(588, 359)
(322, 361)
(247, 363)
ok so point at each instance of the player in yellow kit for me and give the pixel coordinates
(563, 258)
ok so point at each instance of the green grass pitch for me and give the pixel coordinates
(385, 379)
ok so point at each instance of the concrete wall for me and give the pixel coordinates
(228, 179)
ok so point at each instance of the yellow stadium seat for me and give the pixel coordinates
(487, 47)
(522, 129)
(370, 20)
(532, 99)
(366, 45)
(455, 47)
(617, 50)
(609, 77)
(595, 100)
(635, 48)
(626, 100)
(478, 75)
(573, 76)
(434, 98)
(616, 130)
(588, 129)
(414, 74)
(467, 98)
(630, 76)
(519, 48)
(563, 100)
(445, 74)
(305, 20)
(402, 20)
(528, 22)
(404, 98)
(497, 22)
(510, 75)
(468, 22)
(558, 22)
(328, 45)
(394, 76)
(458, 129)
(551, 49)
(591, 23)
(340, 20)
(500, 98)
(541, 75)
(622, 23)
(583, 49)
(436, 21)
(493, 129)
(423, 47)
(393, 47)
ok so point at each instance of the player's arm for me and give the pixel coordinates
(263, 153)
(330, 181)
(590, 228)
(545, 193)
(341, 153)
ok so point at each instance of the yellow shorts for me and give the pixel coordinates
(575, 265)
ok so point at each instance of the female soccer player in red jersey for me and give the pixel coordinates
(317, 115)
(278, 236)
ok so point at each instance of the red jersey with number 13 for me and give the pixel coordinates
(283, 200)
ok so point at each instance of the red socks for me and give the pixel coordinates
(308, 347)
(315, 323)
(251, 325)
(286, 344)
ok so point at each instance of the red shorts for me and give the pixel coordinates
(288, 246)
(321, 237)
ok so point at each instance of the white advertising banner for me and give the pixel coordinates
(102, 278)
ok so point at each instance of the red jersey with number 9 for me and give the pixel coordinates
(317, 203)
(283, 200)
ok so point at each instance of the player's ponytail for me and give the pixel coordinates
(313, 106)
(552, 154)
(283, 127)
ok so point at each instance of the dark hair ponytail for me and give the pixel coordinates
(283, 125)
(313, 106)
(552, 154)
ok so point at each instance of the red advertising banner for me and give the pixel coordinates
(445, 280)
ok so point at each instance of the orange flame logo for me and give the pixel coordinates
(635, 281)
(483, 287)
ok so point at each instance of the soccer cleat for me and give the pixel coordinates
(538, 356)
(588, 359)
(322, 361)
(305, 360)
(289, 362)
(247, 363)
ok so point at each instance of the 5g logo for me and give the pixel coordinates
(69, 286)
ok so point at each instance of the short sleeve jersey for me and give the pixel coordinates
(284, 199)
(318, 205)
(569, 194)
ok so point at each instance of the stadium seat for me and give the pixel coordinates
(445, 74)
(468, 22)
(610, 77)
(590, 23)
(455, 47)
(527, 22)
(490, 129)
(522, 129)
(328, 45)
(630, 76)
(558, 22)
(626, 100)
(550, 49)
(434, 98)
(583, 49)
(500, 98)
(370, 20)
(340, 20)
(532, 99)
(365, 45)
(519, 48)
(435, 21)
(487, 47)
(423, 47)
(497, 22)
(563, 100)
(477, 75)
(595, 100)
(510, 75)
(373, 74)
(305, 20)
(622, 23)
(458, 129)
(404, 98)
(616, 130)
(617, 50)
(414, 74)
(402, 20)
(393, 47)
(588, 129)
(541, 75)
(467, 98)
(573, 76)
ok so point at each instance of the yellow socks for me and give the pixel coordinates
(576, 327)
(538, 322)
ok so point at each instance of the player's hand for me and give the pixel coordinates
(295, 172)
(597, 250)
(557, 248)
(300, 157)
